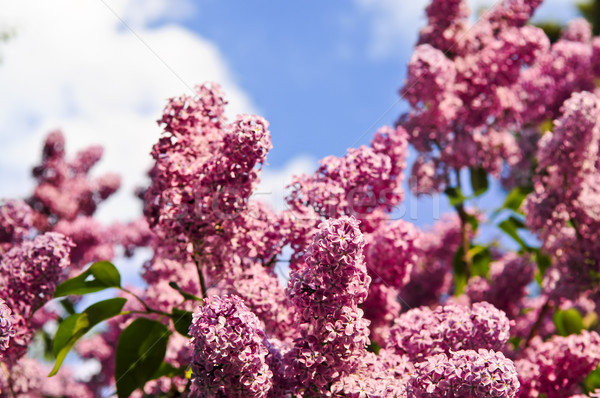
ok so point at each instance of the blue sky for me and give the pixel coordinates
(325, 74)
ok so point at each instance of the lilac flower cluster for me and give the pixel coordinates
(384, 375)
(471, 85)
(64, 188)
(16, 220)
(422, 332)
(563, 206)
(204, 173)
(28, 276)
(506, 284)
(555, 367)
(6, 327)
(229, 351)
(326, 294)
(262, 293)
(432, 275)
(465, 373)
(391, 255)
(364, 184)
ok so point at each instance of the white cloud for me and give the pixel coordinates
(271, 189)
(395, 24)
(73, 65)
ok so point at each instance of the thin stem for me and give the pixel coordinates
(146, 306)
(464, 233)
(8, 378)
(538, 322)
(200, 276)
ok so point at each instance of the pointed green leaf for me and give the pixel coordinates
(481, 258)
(182, 321)
(510, 226)
(140, 353)
(104, 275)
(166, 370)
(75, 326)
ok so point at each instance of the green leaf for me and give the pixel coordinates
(479, 180)
(68, 306)
(167, 370)
(374, 347)
(460, 272)
(592, 381)
(104, 274)
(455, 196)
(140, 353)
(182, 321)
(568, 321)
(543, 261)
(510, 226)
(481, 258)
(515, 198)
(75, 326)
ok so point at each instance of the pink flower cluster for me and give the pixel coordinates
(64, 189)
(422, 332)
(326, 294)
(391, 256)
(563, 207)
(230, 351)
(471, 85)
(204, 174)
(506, 284)
(29, 273)
(555, 367)
(468, 373)
(6, 327)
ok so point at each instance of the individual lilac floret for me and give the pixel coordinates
(230, 351)
(555, 367)
(6, 327)
(422, 332)
(468, 374)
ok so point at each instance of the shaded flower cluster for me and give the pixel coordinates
(390, 255)
(556, 367)
(562, 208)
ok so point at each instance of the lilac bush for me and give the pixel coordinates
(368, 305)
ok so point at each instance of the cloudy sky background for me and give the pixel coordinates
(325, 74)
